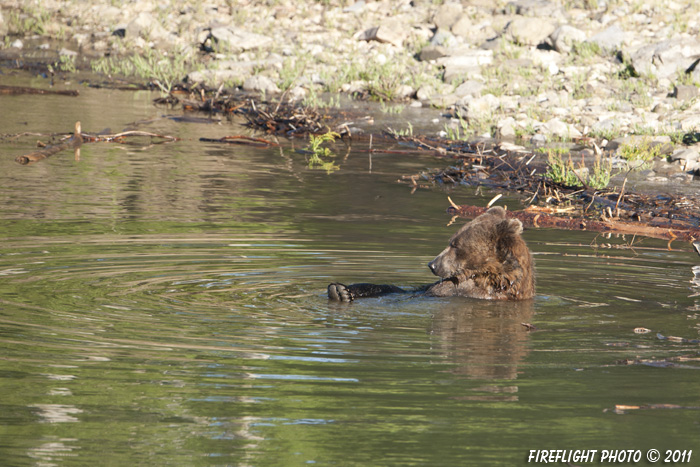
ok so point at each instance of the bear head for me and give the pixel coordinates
(490, 245)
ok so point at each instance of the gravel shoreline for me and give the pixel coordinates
(532, 69)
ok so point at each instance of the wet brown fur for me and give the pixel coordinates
(487, 258)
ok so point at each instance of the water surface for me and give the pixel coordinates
(165, 305)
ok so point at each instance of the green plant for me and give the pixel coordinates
(160, 69)
(317, 152)
(313, 100)
(644, 152)
(560, 171)
(581, 88)
(457, 133)
(408, 131)
(66, 63)
(676, 136)
(602, 172)
(683, 78)
(392, 109)
(554, 150)
(565, 173)
(605, 133)
(292, 69)
(31, 21)
(586, 50)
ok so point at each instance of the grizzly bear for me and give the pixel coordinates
(487, 258)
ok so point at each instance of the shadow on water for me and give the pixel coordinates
(166, 305)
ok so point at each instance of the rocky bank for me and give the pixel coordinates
(535, 69)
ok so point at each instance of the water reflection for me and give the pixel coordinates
(486, 340)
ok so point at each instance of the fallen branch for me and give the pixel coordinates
(74, 142)
(19, 90)
(120, 137)
(78, 138)
(538, 219)
(248, 140)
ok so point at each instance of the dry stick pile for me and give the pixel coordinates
(608, 210)
(279, 118)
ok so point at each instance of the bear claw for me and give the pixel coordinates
(339, 293)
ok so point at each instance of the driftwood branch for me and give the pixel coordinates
(121, 137)
(540, 218)
(78, 138)
(240, 139)
(74, 142)
(18, 90)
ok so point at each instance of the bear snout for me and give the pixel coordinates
(432, 266)
(438, 266)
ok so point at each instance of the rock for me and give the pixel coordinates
(610, 39)
(260, 83)
(663, 168)
(690, 123)
(354, 87)
(356, 7)
(528, 31)
(230, 72)
(297, 93)
(685, 155)
(510, 147)
(424, 93)
(475, 108)
(661, 108)
(432, 52)
(215, 78)
(442, 38)
(556, 127)
(466, 57)
(67, 52)
(685, 92)
(455, 73)
(235, 40)
(447, 15)
(564, 37)
(145, 26)
(540, 8)
(506, 129)
(391, 31)
(17, 44)
(664, 59)
(610, 125)
(404, 91)
(469, 88)
(463, 27)
(538, 140)
(3, 25)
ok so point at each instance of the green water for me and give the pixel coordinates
(165, 305)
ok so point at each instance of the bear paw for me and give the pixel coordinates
(339, 293)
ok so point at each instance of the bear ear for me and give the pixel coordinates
(497, 211)
(509, 229)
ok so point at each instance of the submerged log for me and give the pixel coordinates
(241, 139)
(74, 142)
(538, 219)
(19, 90)
(78, 138)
